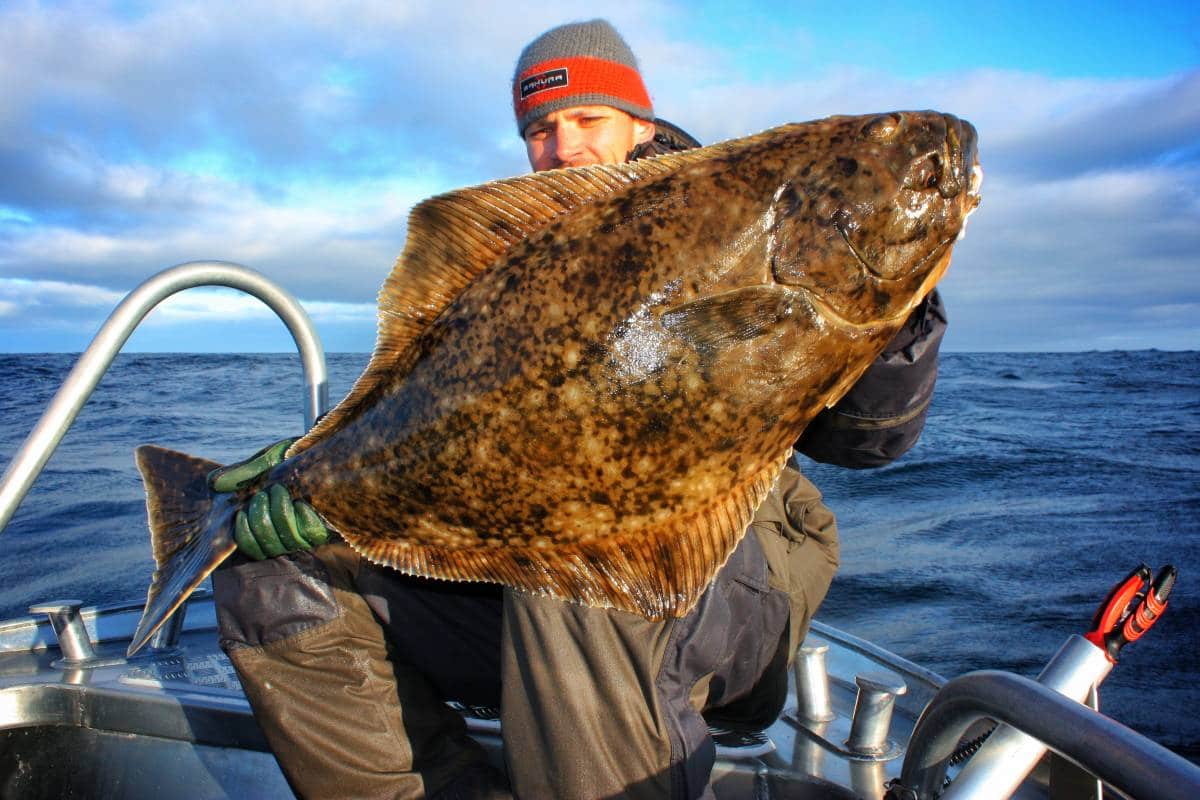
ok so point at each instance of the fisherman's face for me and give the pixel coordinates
(582, 135)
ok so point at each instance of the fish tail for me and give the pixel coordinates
(189, 531)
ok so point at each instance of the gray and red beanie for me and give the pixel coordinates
(578, 64)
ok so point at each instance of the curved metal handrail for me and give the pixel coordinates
(1122, 758)
(94, 362)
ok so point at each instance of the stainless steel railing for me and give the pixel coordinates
(94, 362)
(1130, 763)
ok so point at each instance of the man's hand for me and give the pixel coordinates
(235, 476)
(272, 523)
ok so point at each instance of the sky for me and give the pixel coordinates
(294, 137)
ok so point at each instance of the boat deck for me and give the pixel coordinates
(174, 720)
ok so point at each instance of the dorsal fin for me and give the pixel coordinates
(455, 237)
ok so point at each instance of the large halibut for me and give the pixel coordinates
(586, 380)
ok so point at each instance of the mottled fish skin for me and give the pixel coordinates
(598, 413)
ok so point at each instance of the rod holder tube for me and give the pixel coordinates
(167, 636)
(67, 621)
(812, 682)
(873, 708)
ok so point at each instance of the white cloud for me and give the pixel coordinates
(231, 306)
(43, 305)
(1131, 233)
(322, 311)
(302, 235)
(1170, 311)
(295, 137)
(27, 294)
(83, 307)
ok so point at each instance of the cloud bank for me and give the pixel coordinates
(296, 137)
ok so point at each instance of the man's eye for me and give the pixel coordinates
(536, 136)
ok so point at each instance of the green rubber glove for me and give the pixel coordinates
(272, 523)
(235, 476)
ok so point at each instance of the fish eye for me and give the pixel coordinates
(923, 174)
(882, 128)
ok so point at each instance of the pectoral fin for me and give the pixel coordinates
(713, 322)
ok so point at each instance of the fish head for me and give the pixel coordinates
(869, 209)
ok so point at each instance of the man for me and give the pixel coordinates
(348, 665)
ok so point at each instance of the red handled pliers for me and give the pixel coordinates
(1130, 608)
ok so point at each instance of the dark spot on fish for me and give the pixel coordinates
(538, 512)
(726, 443)
(848, 166)
(601, 498)
(422, 493)
(627, 259)
(657, 423)
(556, 380)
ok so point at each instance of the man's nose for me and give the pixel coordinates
(567, 143)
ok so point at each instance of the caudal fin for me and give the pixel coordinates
(189, 534)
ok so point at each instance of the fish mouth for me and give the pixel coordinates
(840, 225)
(937, 249)
(958, 162)
(827, 312)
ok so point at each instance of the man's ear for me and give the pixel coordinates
(643, 131)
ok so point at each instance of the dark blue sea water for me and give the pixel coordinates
(1041, 479)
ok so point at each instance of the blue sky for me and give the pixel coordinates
(294, 137)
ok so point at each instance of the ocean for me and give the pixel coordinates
(1040, 481)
